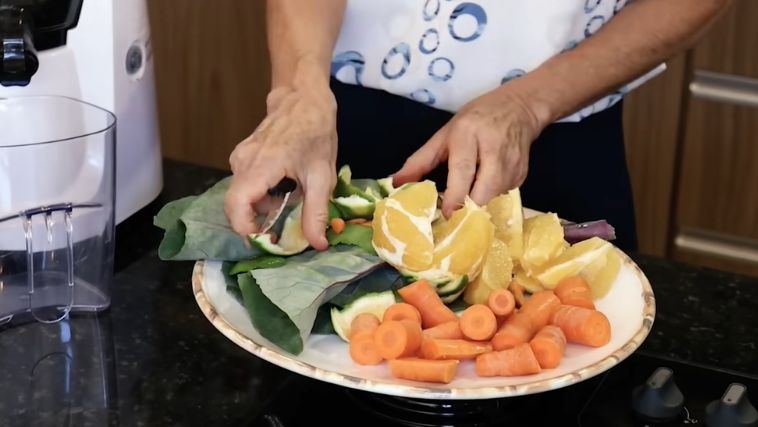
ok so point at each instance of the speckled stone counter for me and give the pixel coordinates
(154, 360)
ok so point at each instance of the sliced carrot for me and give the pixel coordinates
(358, 221)
(338, 225)
(363, 349)
(501, 302)
(441, 349)
(548, 346)
(421, 295)
(540, 306)
(517, 329)
(478, 322)
(518, 360)
(448, 330)
(518, 293)
(582, 325)
(574, 290)
(400, 311)
(364, 322)
(398, 338)
(414, 369)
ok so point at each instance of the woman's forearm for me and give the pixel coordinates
(641, 36)
(301, 36)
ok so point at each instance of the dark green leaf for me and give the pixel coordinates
(323, 323)
(231, 281)
(383, 279)
(272, 323)
(353, 234)
(266, 261)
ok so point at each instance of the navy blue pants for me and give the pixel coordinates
(577, 170)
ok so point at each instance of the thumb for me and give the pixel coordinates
(318, 186)
(423, 160)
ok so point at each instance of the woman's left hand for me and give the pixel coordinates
(486, 145)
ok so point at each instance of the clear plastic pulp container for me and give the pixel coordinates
(57, 168)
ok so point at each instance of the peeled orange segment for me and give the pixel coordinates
(508, 217)
(543, 241)
(463, 240)
(529, 283)
(601, 273)
(402, 227)
(573, 261)
(496, 273)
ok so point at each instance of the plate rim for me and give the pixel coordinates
(286, 361)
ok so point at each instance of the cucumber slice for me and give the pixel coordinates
(385, 186)
(291, 242)
(354, 207)
(374, 303)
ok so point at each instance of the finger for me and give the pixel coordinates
(423, 160)
(491, 176)
(318, 186)
(461, 169)
(242, 196)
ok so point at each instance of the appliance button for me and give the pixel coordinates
(659, 398)
(732, 410)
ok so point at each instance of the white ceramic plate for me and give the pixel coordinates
(630, 307)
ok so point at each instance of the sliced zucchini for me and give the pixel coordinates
(374, 303)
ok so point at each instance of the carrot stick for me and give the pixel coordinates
(478, 322)
(548, 346)
(574, 290)
(414, 369)
(440, 349)
(364, 322)
(448, 330)
(338, 225)
(540, 306)
(519, 360)
(517, 329)
(400, 311)
(582, 325)
(363, 350)
(398, 338)
(501, 302)
(518, 293)
(421, 295)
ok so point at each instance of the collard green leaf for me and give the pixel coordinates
(272, 323)
(383, 279)
(308, 280)
(353, 234)
(197, 228)
(266, 261)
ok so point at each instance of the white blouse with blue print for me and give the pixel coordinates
(446, 52)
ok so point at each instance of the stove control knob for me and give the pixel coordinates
(733, 410)
(658, 399)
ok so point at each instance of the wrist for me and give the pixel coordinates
(536, 98)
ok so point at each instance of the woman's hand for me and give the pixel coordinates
(486, 145)
(297, 139)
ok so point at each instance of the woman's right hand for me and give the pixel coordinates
(297, 139)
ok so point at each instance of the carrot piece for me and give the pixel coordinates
(548, 346)
(398, 338)
(540, 306)
(582, 325)
(518, 293)
(363, 349)
(574, 290)
(414, 369)
(478, 322)
(501, 302)
(448, 330)
(441, 349)
(358, 221)
(518, 360)
(517, 329)
(338, 225)
(364, 322)
(400, 311)
(421, 295)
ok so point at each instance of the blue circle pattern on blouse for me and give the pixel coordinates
(401, 49)
(351, 59)
(423, 96)
(510, 75)
(476, 12)
(593, 25)
(429, 42)
(591, 5)
(448, 67)
(429, 15)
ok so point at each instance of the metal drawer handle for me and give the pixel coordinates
(718, 244)
(726, 88)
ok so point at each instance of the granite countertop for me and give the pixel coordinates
(153, 359)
